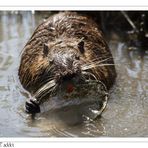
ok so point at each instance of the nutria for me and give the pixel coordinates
(66, 47)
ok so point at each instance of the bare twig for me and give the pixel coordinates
(129, 21)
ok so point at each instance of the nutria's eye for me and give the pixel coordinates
(77, 57)
(51, 61)
(81, 46)
(45, 50)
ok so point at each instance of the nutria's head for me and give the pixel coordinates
(65, 61)
(65, 58)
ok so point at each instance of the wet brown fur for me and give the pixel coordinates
(66, 26)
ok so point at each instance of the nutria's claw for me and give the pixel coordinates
(32, 107)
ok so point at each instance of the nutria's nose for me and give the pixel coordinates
(69, 77)
(68, 66)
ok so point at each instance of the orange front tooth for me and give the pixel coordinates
(70, 88)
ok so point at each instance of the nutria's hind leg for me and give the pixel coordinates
(32, 107)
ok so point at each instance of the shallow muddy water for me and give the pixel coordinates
(126, 114)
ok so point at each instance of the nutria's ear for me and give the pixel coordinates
(81, 46)
(45, 49)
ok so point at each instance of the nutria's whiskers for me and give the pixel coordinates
(105, 65)
(96, 64)
(105, 57)
(86, 73)
(98, 61)
(103, 60)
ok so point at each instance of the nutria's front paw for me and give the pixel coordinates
(32, 107)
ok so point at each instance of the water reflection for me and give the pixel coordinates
(127, 110)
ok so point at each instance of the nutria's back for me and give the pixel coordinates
(65, 45)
